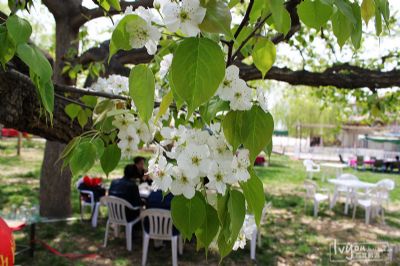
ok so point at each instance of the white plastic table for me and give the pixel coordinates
(351, 186)
(337, 167)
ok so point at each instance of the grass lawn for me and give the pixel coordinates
(291, 236)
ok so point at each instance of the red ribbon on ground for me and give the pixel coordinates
(71, 256)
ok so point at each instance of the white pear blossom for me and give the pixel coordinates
(113, 84)
(241, 96)
(231, 79)
(123, 121)
(246, 232)
(143, 33)
(220, 149)
(240, 164)
(197, 136)
(194, 160)
(219, 175)
(165, 64)
(144, 131)
(148, 14)
(172, 135)
(159, 4)
(185, 16)
(183, 184)
(262, 99)
(128, 141)
(161, 172)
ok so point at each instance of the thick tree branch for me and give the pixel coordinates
(20, 109)
(341, 76)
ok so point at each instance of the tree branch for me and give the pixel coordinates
(341, 76)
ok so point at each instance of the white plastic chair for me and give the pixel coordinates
(371, 202)
(311, 168)
(389, 185)
(94, 206)
(341, 190)
(160, 228)
(117, 216)
(311, 193)
(256, 236)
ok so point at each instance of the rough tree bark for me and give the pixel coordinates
(55, 185)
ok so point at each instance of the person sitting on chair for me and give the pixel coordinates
(127, 189)
(139, 163)
(156, 200)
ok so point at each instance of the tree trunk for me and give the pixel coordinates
(55, 185)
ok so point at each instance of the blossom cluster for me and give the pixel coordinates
(184, 16)
(191, 155)
(237, 92)
(113, 84)
(131, 132)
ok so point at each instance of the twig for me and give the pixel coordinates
(245, 20)
(71, 100)
(256, 28)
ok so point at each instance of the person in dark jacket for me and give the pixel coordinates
(156, 200)
(127, 189)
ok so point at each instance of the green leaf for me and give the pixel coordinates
(82, 118)
(218, 18)
(367, 10)
(209, 110)
(164, 105)
(72, 110)
(234, 128)
(19, 29)
(264, 55)
(46, 91)
(104, 4)
(98, 142)
(314, 14)
(247, 127)
(356, 33)
(120, 37)
(35, 60)
(378, 22)
(236, 211)
(188, 214)
(141, 90)
(233, 3)
(197, 69)
(344, 7)
(83, 158)
(268, 149)
(7, 46)
(115, 4)
(206, 233)
(89, 100)
(222, 206)
(253, 191)
(383, 6)
(110, 158)
(342, 27)
(259, 7)
(280, 16)
(258, 123)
